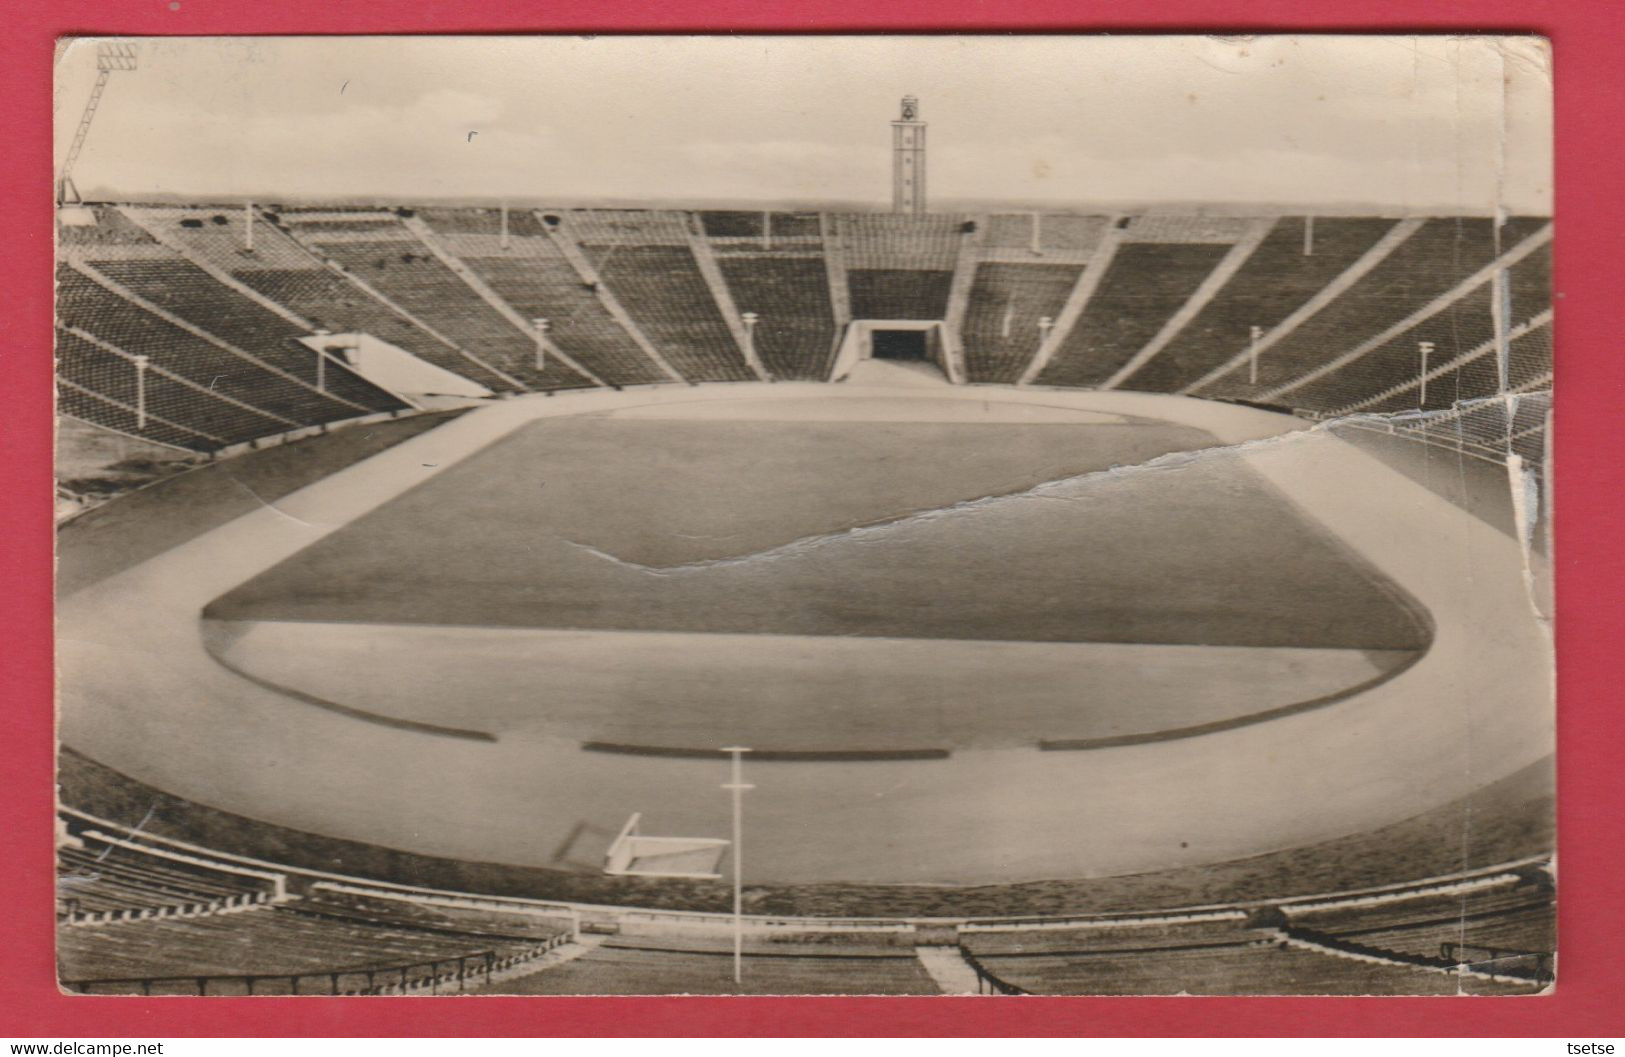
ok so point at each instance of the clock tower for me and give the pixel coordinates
(908, 160)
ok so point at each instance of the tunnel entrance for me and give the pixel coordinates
(899, 344)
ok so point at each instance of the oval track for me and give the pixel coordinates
(142, 694)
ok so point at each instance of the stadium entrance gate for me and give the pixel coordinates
(909, 340)
(899, 344)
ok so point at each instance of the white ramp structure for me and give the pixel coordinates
(633, 854)
(394, 368)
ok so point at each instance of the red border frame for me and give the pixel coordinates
(1589, 40)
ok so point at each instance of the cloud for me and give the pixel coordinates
(1410, 121)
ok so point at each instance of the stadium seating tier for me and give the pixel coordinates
(1144, 285)
(795, 336)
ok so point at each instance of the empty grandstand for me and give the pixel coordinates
(241, 335)
(248, 927)
(547, 535)
(1320, 314)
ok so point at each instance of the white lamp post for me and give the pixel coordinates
(322, 336)
(738, 786)
(141, 364)
(750, 319)
(540, 325)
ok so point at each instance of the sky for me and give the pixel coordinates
(1398, 124)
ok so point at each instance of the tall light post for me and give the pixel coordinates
(1255, 334)
(1045, 325)
(540, 325)
(111, 56)
(750, 319)
(141, 364)
(1423, 348)
(737, 786)
(248, 227)
(323, 335)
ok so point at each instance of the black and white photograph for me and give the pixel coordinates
(804, 515)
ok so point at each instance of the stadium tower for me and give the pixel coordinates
(908, 160)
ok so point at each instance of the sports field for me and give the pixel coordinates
(910, 530)
(732, 564)
(916, 608)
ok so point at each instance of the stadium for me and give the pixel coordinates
(1050, 602)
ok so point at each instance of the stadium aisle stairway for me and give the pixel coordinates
(795, 337)
(531, 274)
(406, 271)
(1144, 285)
(662, 289)
(1436, 258)
(1277, 279)
(193, 295)
(1001, 332)
(283, 271)
(96, 310)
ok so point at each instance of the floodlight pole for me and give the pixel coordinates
(141, 364)
(322, 335)
(750, 319)
(540, 324)
(248, 227)
(1044, 325)
(1255, 335)
(1423, 348)
(110, 57)
(738, 786)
